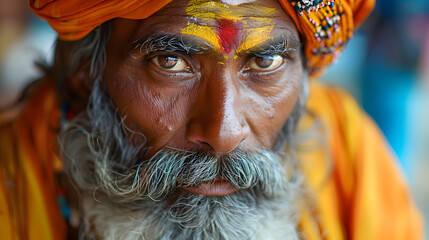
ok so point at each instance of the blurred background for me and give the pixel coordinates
(385, 66)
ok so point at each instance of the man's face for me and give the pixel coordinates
(206, 75)
(209, 85)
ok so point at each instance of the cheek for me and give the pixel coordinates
(155, 111)
(268, 112)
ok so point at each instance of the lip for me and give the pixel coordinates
(213, 188)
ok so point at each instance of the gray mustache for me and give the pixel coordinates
(167, 170)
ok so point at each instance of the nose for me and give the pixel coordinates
(217, 118)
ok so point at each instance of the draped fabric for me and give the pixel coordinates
(28, 200)
(325, 25)
(356, 189)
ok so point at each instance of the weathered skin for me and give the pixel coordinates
(206, 105)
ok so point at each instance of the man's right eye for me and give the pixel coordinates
(170, 63)
(266, 63)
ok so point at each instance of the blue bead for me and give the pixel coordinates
(332, 4)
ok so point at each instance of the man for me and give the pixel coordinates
(179, 120)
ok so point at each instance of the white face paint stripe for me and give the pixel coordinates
(236, 2)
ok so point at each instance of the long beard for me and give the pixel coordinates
(126, 198)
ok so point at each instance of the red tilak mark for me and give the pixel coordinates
(229, 33)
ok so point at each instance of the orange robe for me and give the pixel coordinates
(355, 186)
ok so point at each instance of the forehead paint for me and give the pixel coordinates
(230, 28)
(229, 33)
(255, 37)
(204, 32)
(207, 10)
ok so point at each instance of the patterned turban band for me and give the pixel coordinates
(325, 25)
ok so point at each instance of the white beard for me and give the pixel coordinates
(105, 220)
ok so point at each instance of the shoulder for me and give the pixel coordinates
(360, 172)
(342, 120)
(28, 165)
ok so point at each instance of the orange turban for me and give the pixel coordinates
(325, 25)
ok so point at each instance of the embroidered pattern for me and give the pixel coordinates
(323, 18)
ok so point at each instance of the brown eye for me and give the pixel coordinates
(170, 63)
(266, 63)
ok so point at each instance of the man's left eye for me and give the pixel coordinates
(170, 63)
(266, 63)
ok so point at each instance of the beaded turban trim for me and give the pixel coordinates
(325, 25)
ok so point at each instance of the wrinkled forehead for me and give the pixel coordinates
(208, 11)
(233, 24)
(237, 10)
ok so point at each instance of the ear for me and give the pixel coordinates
(75, 90)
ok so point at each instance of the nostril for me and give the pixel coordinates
(203, 145)
(198, 140)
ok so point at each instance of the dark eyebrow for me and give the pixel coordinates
(167, 43)
(282, 45)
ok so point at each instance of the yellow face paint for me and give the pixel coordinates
(218, 10)
(255, 36)
(230, 28)
(198, 9)
(204, 32)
